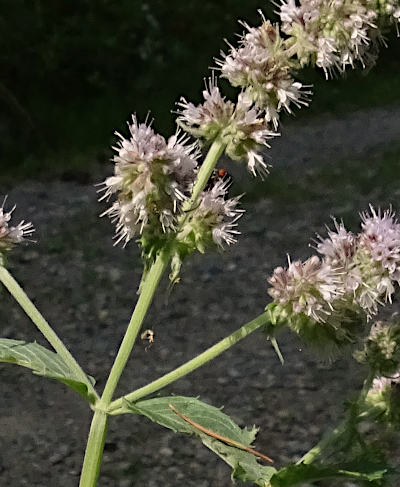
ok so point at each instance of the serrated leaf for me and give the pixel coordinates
(209, 417)
(301, 473)
(245, 465)
(43, 362)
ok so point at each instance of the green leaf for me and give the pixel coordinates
(43, 362)
(301, 473)
(245, 465)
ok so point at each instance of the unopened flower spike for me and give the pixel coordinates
(261, 66)
(11, 235)
(242, 127)
(152, 178)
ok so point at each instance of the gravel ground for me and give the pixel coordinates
(86, 288)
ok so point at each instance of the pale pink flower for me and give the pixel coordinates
(331, 33)
(308, 287)
(261, 66)
(152, 178)
(215, 216)
(242, 127)
(12, 235)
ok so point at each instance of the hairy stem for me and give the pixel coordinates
(43, 326)
(191, 365)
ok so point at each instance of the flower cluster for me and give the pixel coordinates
(261, 66)
(356, 274)
(211, 224)
(214, 220)
(242, 128)
(11, 235)
(305, 287)
(381, 239)
(329, 33)
(152, 178)
(369, 261)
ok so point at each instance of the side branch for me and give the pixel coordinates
(220, 347)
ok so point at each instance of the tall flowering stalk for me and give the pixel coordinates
(175, 205)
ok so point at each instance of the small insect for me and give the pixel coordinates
(149, 336)
(217, 175)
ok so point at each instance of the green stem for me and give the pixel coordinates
(95, 444)
(149, 286)
(331, 438)
(94, 450)
(43, 326)
(191, 365)
(206, 169)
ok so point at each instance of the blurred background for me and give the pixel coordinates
(73, 72)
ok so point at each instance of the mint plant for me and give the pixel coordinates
(174, 205)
